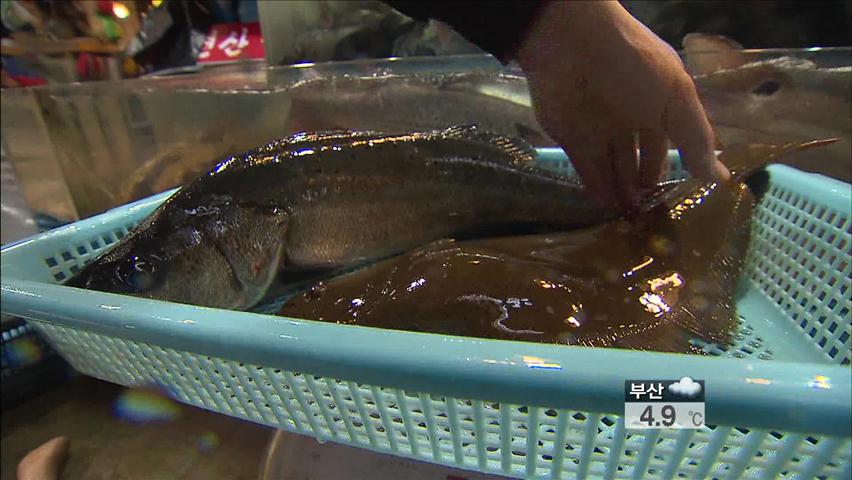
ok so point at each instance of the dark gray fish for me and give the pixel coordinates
(323, 201)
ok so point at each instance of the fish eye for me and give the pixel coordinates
(141, 281)
(138, 274)
(767, 88)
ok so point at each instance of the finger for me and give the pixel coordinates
(687, 126)
(653, 150)
(592, 164)
(625, 169)
(587, 155)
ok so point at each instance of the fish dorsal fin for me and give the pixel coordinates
(294, 142)
(709, 53)
(307, 139)
(521, 153)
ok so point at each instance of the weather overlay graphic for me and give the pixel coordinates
(664, 403)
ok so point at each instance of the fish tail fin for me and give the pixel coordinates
(520, 152)
(758, 183)
(744, 159)
(708, 53)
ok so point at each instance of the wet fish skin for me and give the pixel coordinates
(566, 288)
(652, 283)
(331, 200)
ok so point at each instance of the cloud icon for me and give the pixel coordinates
(685, 387)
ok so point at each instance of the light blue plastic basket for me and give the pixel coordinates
(778, 402)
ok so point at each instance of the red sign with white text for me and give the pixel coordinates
(229, 42)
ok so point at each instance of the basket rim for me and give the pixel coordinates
(549, 376)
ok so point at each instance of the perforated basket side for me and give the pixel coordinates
(27, 363)
(799, 257)
(506, 439)
(66, 263)
(55, 256)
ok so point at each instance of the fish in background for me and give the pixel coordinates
(497, 102)
(178, 163)
(174, 166)
(776, 100)
(324, 201)
(653, 282)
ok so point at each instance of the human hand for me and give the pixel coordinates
(600, 80)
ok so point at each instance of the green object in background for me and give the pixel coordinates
(111, 28)
(14, 16)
